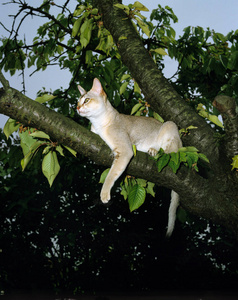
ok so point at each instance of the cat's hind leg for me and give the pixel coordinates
(168, 138)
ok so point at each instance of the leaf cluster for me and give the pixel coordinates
(33, 140)
(188, 156)
(133, 189)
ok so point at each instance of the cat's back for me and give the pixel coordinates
(139, 127)
(139, 122)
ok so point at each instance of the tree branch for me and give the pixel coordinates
(227, 107)
(4, 81)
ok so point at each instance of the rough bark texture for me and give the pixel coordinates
(213, 195)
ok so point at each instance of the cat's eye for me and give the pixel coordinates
(86, 100)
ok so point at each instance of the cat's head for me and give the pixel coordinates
(91, 103)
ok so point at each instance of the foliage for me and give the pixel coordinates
(32, 140)
(189, 156)
(235, 162)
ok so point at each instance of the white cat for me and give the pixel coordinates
(121, 132)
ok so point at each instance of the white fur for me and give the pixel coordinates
(121, 132)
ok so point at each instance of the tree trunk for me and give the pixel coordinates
(212, 195)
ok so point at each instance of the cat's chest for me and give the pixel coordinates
(114, 135)
(105, 134)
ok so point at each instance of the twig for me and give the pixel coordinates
(4, 81)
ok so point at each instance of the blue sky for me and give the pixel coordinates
(220, 15)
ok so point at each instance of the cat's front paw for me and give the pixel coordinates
(105, 196)
(152, 152)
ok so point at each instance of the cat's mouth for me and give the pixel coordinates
(80, 111)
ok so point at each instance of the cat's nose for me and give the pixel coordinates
(78, 108)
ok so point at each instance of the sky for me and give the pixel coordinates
(220, 15)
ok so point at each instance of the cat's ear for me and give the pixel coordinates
(81, 90)
(97, 87)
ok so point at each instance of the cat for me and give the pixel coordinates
(121, 132)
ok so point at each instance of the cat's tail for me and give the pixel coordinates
(174, 203)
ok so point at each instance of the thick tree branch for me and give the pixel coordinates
(157, 90)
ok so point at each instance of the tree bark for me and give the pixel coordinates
(212, 195)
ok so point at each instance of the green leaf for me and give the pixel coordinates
(233, 61)
(121, 6)
(135, 108)
(94, 11)
(160, 51)
(174, 162)
(60, 150)
(141, 182)
(139, 6)
(182, 157)
(46, 149)
(71, 150)
(122, 37)
(144, 27)
(188, 149)
(104, 175)
(136, 197)
(224, 60)
(214, 119)
(163, 161)
(158, 117)
(150, 188)
(76, 26)
(123, 87)
(134, 149)
(40, 134)
(189, 161)
(124, 192)
(203, 157)
(10, 127)
(85, 32)
(234, 162)
(125, 77)
(28, 156)
(50, 166)
(88, 57)
(191, 127)
(192, 158)
(45, 98)
(79, 10)
(203, 113)
(137, 88)
(174, 157)
(26, 141)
